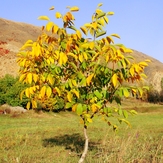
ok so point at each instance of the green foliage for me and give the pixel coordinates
(87, 74)
(10, 90)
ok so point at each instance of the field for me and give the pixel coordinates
(58, 138)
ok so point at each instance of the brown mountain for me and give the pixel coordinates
(14, 34)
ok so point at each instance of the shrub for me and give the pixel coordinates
(10, 89)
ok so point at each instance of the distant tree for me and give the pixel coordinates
(87, 74)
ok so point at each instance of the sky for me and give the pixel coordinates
(138, 22)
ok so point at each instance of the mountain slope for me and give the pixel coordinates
(14, 34)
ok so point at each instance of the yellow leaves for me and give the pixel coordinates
(43, 91)
(35, 77)
(69, 96)
(115, 35)
(94, 108)
(100, 4)
(74, 9)
(132, 71)
(94, 25)
(58, 15)
(105, 18)
(50, 79)
(74, 107)
(74, 82)
(28, 105)
(143, 64)
(22, 77)
(110, 13)
(84, 30)
(27, 92)
(114, 80)
(89, 79)
(34, 104)
(78, 33)
(81, 58)
(62, 58)
(73, 55)
(43, 18)
(85, 56)
(49, 25)
(76, 93)
(70, 16)
(29, 78)
(51, 8)
(48, 91)
(91, 45)
(110, 40)
(55, 28)
(58, 91)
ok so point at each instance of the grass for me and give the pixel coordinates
(58, 138)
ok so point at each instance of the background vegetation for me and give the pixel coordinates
(10, 89)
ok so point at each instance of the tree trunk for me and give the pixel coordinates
(85, 146)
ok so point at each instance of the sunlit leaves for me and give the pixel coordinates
(43, 91)
(51, 8)
(43, 18)
(84, 30)
(89, 79)
(48, 91)
(85, 73)
(49, 25)
(74, 8)
(110, 13)
(58, 15)
(114, 80)
(100, 34)
(100, 4)
(115, 35)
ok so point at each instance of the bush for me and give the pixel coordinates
(10, 89)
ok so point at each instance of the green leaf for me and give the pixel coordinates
(98, 94)
(100, 34)
(79, 109)
(120, 112)
(125, 114)
(72, 27)
(69, 104)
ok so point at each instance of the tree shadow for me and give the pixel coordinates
(73, 142)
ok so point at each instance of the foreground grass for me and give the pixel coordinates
(58, 138)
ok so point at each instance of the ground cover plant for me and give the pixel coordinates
(87, 74)
(56, 138)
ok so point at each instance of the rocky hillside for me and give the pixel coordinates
(13, 35)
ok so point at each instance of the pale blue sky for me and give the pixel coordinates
(138, 22)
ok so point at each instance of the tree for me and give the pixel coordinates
(86, 73)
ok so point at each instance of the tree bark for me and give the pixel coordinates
(82, 158)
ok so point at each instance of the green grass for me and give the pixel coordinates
(58, 138)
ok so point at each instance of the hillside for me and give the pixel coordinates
(14, 34)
